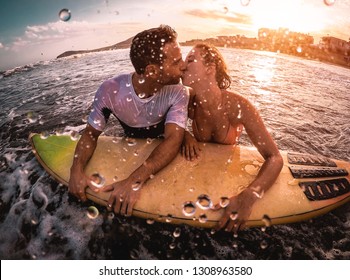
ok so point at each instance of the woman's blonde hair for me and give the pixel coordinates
(211, 55)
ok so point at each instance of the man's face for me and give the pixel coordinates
(170, 70)
(195, 69)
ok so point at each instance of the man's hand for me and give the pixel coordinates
(190, 148)
(124, 196)
(78, 183)
(236, 212)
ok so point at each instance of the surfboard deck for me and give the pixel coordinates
(184, 191)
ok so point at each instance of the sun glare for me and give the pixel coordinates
(299, 18)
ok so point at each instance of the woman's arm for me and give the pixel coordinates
(241, 205)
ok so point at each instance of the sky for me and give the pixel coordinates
(32, 31)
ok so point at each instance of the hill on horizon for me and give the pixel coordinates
(121, 45)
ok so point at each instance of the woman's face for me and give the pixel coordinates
(194, 71)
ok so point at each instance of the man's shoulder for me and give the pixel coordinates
(117, 79)
(177, 88)
(113, 83)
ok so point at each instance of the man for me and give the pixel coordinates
(148, 103)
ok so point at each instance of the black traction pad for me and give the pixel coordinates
(316, 172)
(322, 190)
(306, 159)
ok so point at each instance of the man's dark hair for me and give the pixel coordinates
(147, 47)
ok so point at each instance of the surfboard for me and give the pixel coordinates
(185, 191)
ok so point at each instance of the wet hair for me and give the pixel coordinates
(147, 47)
(211, 55)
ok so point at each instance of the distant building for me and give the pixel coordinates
(336, 45)
(283, 39)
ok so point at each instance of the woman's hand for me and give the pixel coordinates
(237, 211)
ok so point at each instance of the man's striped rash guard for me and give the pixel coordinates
(139, 117)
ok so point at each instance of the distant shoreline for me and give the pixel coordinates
(307, 52)
(311, 52)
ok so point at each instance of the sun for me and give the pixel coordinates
(292, 15)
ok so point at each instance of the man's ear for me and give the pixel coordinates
(152, 71)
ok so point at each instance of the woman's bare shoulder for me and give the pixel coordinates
(241, 106)
(236, 98)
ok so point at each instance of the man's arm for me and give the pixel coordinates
(86, 146)
(125, 193)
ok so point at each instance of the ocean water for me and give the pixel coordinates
(305, 105)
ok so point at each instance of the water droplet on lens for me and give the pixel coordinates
(168, 218)
(74, 135)
(266, 220)
(131, 141)
(92, 212)
(135, 187)
(128, 99)
(172, 246)
(141, 80)
(64, 15)
(234, 216)
(177, 232)
(142, 95)
(299, 49)
(203, 218)
(110, 216)
(224, 201)
(225, 10)
(98, 180)
(329, 2)
(258, 192)
(44, 135)
(59, 131)
(134, 255)
(263, 244)
(188, 208)
(32, 117)
(245, 2)
(116, 139)
(204, 202)
(150, 221)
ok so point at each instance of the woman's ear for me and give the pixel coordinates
(210, 69)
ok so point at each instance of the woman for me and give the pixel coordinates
(219, 116)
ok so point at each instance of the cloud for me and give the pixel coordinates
(81, 34)
(230, 17)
